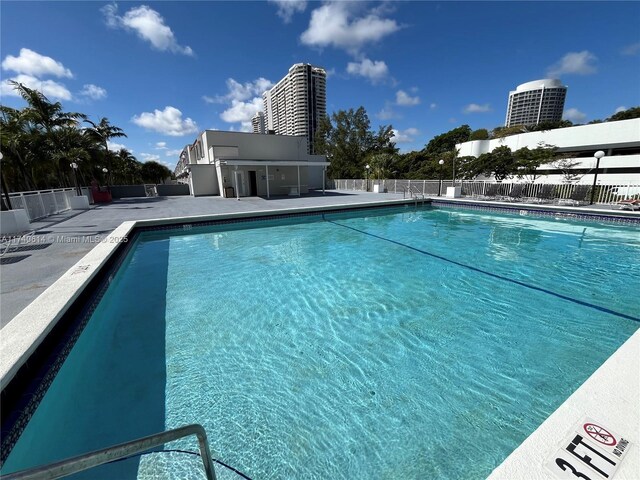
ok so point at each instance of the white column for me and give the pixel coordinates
(267, 167)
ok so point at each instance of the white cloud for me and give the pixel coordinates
(161, 145)
(150, 157)
(375, 71)
(335, 24)
(168, 121)
(241, 91)
(114, 147)
(406, 100)
(574, 115)
(173, 153)
(243, 101)
(404, 136)
(148, 25)
(49, 88)
(620, 109)
(475, 108)
(433, 106)
(387, 113)
(93, 91)
(631, 50)
(576, 63)
(241, 112)
(32, 63)
(288, 8)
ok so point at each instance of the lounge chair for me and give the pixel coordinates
(577, 197)
(629, 204)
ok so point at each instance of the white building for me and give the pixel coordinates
(535, 102)
(620, 141)
(247, 164)
(257, 121)
(295, 105)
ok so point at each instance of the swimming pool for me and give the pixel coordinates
(404, 343)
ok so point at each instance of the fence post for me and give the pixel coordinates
(628, 190)
(55, 202)
(395, 185)
(424, 185)
(41, 203)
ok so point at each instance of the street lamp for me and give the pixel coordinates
(74, 165)
(367, 167)
(440, 162)
(599, 154)
(6, 204)
(454, 172)
(105, 171)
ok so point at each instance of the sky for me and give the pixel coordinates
(164, 71)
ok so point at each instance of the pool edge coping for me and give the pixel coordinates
(27, 330)
(611, 395)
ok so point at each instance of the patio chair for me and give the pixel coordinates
(515, 194)
(544, 194)
(579, 196)
(629, 204)
(490, 193)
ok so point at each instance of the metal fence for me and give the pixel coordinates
(604, 194)
(42, 203)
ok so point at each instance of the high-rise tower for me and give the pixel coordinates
(535, 102)
(295, 105)
(257, 122)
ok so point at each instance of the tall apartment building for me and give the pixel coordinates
(295, 105)
(257, 121)
(535, 102)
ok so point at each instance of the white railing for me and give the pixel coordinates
(42, 203)
(604, 194)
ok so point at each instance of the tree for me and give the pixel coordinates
(348, 142)
(446, 142)
(154, 172)
(102, 132)
(480, 134)
(527, 161)
(627, 114)
(566, 166)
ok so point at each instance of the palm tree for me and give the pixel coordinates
(102, 132)
(128, 166)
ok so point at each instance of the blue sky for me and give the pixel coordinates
(163, 71)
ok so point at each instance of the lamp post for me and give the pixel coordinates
(367, 167)
(105, 171)
(74, 165)
(440, 162)
(599, 154)
(454, 172)
(6, 202)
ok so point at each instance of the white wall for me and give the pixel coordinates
(260, 147)
(203, 180)
(598, 136)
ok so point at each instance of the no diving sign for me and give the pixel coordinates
(592, 452)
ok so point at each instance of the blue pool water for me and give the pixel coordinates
(387, 344)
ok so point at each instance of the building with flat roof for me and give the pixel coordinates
(296, 104)
(239, 164)
(257, 121)
(620, 142)
(535, 102)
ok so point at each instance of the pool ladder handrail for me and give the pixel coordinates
(415, 194)
(89, 460)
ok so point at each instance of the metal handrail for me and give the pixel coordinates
(117, 452)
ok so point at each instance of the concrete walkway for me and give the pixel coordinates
(60, 241)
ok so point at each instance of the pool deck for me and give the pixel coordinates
(62, 252)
